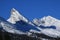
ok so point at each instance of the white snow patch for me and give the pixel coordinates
(34, 31)
(51, 32)
(9, 28)
(47, 21)
(16, 16)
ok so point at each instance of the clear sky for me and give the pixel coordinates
(31, 8)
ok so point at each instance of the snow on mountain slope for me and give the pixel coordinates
(21, 25)
(20, 21)
(31, 23)
(8, 27)
(48, 21)
(36, 22)
(35, 31)
(51, 21)
(51, 32)
(16, 16)
(11, 28)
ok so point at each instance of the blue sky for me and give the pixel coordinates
(31, 8)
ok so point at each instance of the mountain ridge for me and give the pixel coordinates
(47, 23)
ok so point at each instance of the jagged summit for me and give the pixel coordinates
(48, 21)
(16, 16)
(8, 27)
(20, 25)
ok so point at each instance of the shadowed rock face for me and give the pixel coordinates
(8, 36)
(21, 25)
(53, 27)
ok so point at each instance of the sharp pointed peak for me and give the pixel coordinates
(13, 9)
(15, 12)
(16, 16)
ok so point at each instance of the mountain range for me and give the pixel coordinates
(18, 24)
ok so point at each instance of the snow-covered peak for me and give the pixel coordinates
(47, 21)
(16, 16)
(10, 28)
(50, 21)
